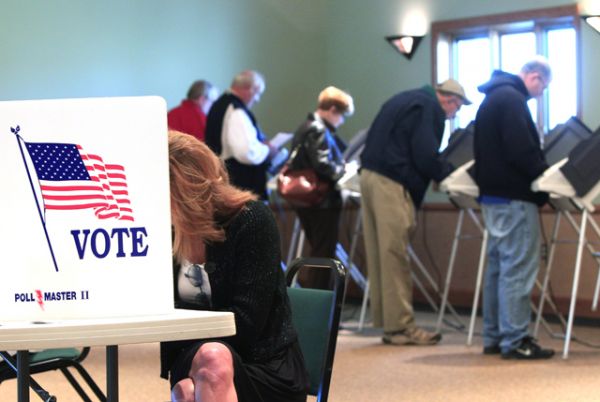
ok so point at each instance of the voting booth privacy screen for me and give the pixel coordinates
(460, 146)
(582, 169)
(85, 209)
(563, 138)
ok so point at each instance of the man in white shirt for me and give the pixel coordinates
(233, 133)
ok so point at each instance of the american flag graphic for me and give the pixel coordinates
(71, 179)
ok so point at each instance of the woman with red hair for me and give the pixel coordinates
(227, 253)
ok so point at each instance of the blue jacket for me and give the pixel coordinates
(508, 153)
(404, 140)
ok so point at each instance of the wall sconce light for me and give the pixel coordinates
(593, 21)
(405, 44)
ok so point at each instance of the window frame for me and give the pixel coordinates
(533, 20)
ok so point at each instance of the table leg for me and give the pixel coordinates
(23, 376)
(112, 373)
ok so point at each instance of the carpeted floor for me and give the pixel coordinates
(367, 370)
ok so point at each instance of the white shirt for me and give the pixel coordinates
(239, 139)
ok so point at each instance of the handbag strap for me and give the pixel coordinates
(293, 154)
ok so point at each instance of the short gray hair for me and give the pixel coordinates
(539, 65)
(247, 79)
(199, 88)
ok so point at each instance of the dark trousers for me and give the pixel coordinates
(321, 226)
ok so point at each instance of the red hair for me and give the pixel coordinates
(202, 199)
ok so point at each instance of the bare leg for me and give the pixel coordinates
(212, 373)
(183, 391)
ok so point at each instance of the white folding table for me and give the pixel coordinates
(109, 332)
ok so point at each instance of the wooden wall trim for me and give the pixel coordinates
(448, 207)
(427, 207)
(495, 19)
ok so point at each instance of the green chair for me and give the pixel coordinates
(316, 317)
(54, 359)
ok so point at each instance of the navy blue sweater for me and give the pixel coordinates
(508, 153)
(403, 141)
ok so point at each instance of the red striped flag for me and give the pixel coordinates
(70, 179)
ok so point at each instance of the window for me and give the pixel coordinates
(469, 50)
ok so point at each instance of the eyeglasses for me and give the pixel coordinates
(456, 102)
(545, 82)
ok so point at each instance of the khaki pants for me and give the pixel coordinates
(388, 217)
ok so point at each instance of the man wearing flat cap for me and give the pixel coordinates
(399, 160)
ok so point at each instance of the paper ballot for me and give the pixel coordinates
(280, 139)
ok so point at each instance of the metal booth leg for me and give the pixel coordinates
(457, 233)
(478, 282)
(580, 244)
(549, 265)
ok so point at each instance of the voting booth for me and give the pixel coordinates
(462, 192)
(559, 142)
(84, 209)
(460, 145)
(349, 183)
(460, 185)
(573, 183)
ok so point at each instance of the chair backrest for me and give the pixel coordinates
(54, 359)
(316, 316)
(48, 355)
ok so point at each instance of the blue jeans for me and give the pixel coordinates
(513, 254)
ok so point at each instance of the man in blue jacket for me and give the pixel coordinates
(508, 158)
(399, 160)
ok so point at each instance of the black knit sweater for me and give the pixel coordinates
(248, 281)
